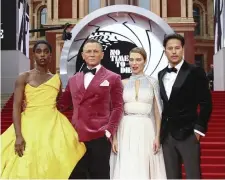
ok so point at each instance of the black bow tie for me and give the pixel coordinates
(173, 69)
(86, 70)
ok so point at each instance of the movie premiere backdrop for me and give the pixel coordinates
(118, 28)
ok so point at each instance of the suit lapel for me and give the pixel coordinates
(161, 85)
(96, 81)
(80, 83)
(98, 78)
(181, 77)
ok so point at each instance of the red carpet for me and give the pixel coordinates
(212, 146)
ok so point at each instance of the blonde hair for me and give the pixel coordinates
(140, 51)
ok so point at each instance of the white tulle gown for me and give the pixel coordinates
(135, 158)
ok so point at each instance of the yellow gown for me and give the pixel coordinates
(52, 146)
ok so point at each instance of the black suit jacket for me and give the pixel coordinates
(180, 116)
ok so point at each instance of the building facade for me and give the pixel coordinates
(191, 18)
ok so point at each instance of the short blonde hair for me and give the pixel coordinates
(140, 51)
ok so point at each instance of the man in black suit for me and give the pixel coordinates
(182, 87)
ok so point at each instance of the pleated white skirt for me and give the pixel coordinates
(135, 158)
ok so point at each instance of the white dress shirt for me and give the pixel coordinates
(89, 76)
(87, 80)
(168, 81)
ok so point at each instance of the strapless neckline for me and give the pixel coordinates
(41, 83)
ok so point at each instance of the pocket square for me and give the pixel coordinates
(105, 83)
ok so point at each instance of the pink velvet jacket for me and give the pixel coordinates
(97, 108)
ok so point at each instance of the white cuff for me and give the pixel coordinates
(199, 132)
(107, 134)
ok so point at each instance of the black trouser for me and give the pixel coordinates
(187, 150)
(95, 163)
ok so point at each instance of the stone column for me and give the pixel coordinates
(203, 24)
(210, 17)
(155, 6)
(183, 8)
(86, 7)
(190, 8)
(74, 9)
(164, 8)
(35, 24)
(56, 10)
(103, 3)
(49, 11)
(81, 8)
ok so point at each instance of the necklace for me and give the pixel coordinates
(41, 72)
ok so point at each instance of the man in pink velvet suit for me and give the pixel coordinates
(96, 95)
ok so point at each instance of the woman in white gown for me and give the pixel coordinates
(136, 151)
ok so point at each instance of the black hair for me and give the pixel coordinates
(42, 42)
(173, 36)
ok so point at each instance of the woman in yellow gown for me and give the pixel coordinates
(48, 146)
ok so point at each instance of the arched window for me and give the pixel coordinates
(197, 19)
(144, 4)
(43, 16)
(199, 15)
(43, 20)
(94, 5)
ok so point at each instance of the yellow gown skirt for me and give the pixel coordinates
(52, 147)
